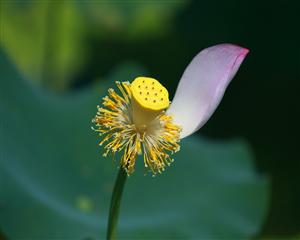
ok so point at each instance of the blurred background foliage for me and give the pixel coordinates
(56, 34)
(67, 47)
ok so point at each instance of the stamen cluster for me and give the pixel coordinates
(156, 140)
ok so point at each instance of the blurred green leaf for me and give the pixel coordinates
(132, 19)
(44, 38)
(49, 40)
(55, 184)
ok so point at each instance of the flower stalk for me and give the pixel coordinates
(115, 204)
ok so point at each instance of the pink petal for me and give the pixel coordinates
(203, 84)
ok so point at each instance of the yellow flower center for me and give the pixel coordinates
(150, 94)
(136, 124)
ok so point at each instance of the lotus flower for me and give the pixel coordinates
(141, 121)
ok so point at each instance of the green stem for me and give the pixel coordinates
(115, 204)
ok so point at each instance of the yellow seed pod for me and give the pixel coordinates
(150, 94)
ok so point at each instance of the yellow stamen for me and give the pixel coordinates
(136, 127)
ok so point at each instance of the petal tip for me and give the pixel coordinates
(233, 47)
(239, 53)
(241, 56)
(244, 51)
